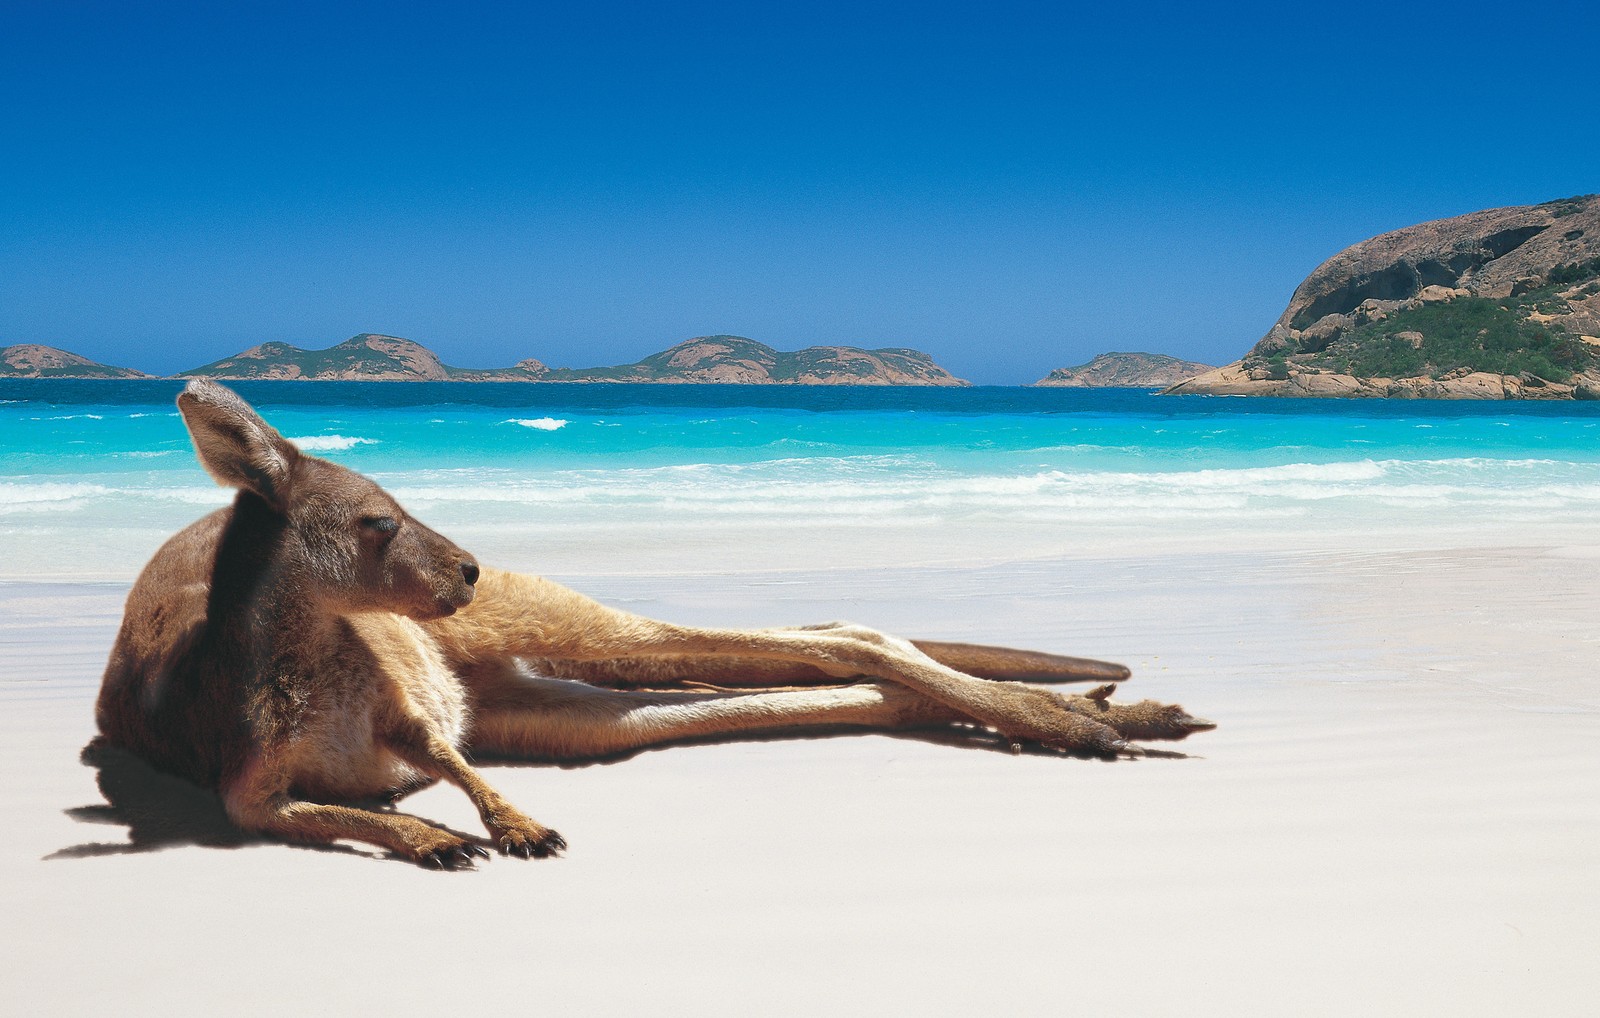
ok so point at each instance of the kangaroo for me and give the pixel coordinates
(313, 646)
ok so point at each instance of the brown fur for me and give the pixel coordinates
(314, 644)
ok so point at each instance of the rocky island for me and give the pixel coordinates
(707, 359)
(31, 360)
(368, 357)
(744, 361)
(1500, 304)
(1126, 370)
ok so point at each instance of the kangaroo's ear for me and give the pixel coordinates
(234, 444)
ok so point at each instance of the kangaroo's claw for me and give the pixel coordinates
(533, 843)
(448, 859)
(441, 850)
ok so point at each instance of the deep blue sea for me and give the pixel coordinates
(94, 474)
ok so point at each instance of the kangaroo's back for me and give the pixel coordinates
(164, 695)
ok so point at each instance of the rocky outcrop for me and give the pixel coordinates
(528, 370)
(849, 365)
(709, 359)
(727, 359)
(735, 359)
(31, 360)
(1126, 370)
(1233, 380)
(1500, 304)
(364, 358)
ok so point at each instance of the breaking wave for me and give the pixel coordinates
(871, 485)
(48, 496)
(539, 423)
(874, 488)
(331, 443)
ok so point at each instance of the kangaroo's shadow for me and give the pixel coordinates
(161, 811)
(958, 736)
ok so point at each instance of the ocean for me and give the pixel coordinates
(94, 475)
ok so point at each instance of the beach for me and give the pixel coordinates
(1395, 816)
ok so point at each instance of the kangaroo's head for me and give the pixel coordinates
(345, 541)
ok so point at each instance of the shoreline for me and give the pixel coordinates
(1312, 383)
(1478, 387)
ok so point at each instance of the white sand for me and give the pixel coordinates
(1399, 815)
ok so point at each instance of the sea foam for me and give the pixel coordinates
(48, 496)
(331, 443)
(539, 423)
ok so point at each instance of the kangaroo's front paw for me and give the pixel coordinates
(520, 836)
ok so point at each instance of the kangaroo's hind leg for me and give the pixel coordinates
(536, 718)
(527, 617)
(529, 717)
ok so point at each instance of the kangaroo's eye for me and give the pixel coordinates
(385, 525)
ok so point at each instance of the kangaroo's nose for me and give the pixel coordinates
(469, 571)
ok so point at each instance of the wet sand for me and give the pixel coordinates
(1397, 816)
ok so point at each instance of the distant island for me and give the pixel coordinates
(1126, 370)
(370, 358)
(1500, 304)
(31, 360)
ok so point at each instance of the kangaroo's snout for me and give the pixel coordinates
(463, 588)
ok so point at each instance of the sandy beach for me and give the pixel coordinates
(1396, 816)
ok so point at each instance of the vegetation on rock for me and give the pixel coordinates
(1468, 333)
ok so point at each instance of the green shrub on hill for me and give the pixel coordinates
(1474, 333)
(1563, 207)
(1577, 272)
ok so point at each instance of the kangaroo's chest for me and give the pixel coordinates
(382, 670)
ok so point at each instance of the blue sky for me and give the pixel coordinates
(1011, 187)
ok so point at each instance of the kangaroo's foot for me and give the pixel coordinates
(1091, 723)
(1144, 720)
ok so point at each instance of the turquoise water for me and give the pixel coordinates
(93, 474)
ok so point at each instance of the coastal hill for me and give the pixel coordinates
(1499, 304)
(1126, 370)
(31, 360)
(745, 361)
(365, 358)
(370, 357)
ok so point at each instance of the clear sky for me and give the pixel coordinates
(1012, 187)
